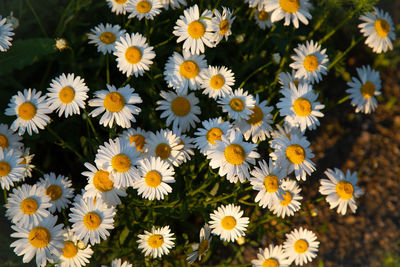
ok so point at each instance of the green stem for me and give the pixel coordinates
(345, 52)
(126, 81)
(108, 68)
(318, 24)
(340, 25)
(28, 2)
(92, 126)
(59, 31)
(164, 42)
(5, 196)
(254, 73)
(344, 99)
(216, 5)
(65, 144)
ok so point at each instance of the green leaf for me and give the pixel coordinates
(24, 53)
(124, 234)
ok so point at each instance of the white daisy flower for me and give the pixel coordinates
(259, 4)
(59, 189)
(153, 178)
(118, 158)
(301, 246)
(134, 55)
(31, 108)
(147, 9)
(267, 180)
(341, 190)
(299, 107)
(271, 256)
(27, 162)
(291, 10)
(165, 145)
(217, 81)
(286, 131)
(194, 29)
(44, 240)
(187, 149)
(91, 220)
(238, 104)
(67, 94)
(295, 155)
(27, 205)
(378, 27)
(258, 126)
(72, 255)
(156, 243)
(263, 19)
(228, 223)
(11, 167)
(285, 78)
(137, 138)
(104, 37)
(120, 263)
(118, 6)
(174, 4)
(101, 185)
(180, 109)
(6, 31)
(184, 71)
(291, 199)
(363, 89)
(221, 25)
(118, 105)
(8, 139)
(200, 249)
(232, 156)
(310, 62)
(211, 132)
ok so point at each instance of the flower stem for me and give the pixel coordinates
(345, 52)
(28, 2)
(65, 144)
(254, 73)
(108, 68)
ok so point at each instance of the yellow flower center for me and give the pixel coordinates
(120, 1)
(235, 154)
(29, 206)
(139, 141)
(217, 81)
(102, 182)
(300, 246)
(290, 6)
(92, 220)
(382, 27)
(70, 250)
(271, 183)
(224, 26)
(295, 153)
(153, 178)
(114, 102)
(143, 6)
(163, 151)
(256, 117)
(263, 16)
(54, 192)
(203, 247)
(368, 89)
(3, 141)
(302, 107)
(214, 134)
(287, 198)
(180, 106)
(189, 69)
(108, 37)
(39, 237)
(5, 168)
(121, 163)
(155, 241)
(236, 104)
(27, 111)
(133, 55)
(344, 189)
(228, 222)
(270, 263)
(310, 63)
(196, 29)
(66, 95)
